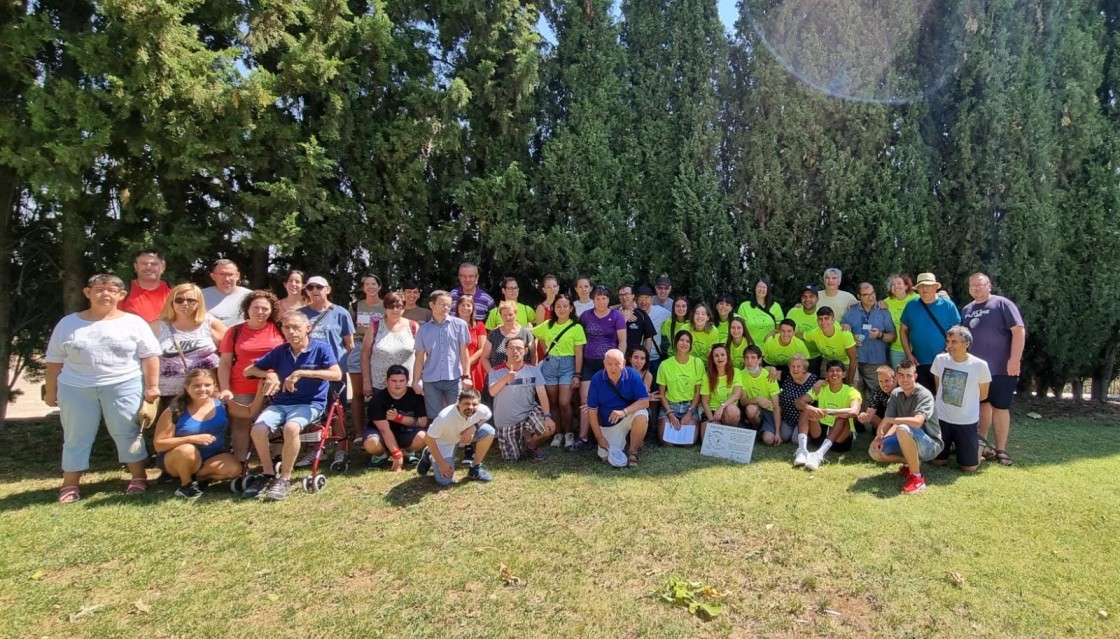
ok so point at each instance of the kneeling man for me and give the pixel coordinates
(617, 406)
(460, 424)
(302, 370)
(829, 422)
(521, 417)
(398, 418)
(908, 432)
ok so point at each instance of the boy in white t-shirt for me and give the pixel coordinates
(459, 424)
(962, 383)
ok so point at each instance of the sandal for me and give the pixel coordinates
(136, 486)
(68, 495)
(633, 460)
(1002, 457)
(987, 451)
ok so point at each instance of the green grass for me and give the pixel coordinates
(1025, 551)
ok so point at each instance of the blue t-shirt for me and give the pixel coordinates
(603, 398)
(216, 426)
(926, 340)
(870, 351)
(335, 325)
(316, 357)
(440, 344)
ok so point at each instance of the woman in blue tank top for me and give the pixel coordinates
(191, 433)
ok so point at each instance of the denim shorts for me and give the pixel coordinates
(927, 448)
(276, 415)
(680, 409)
(558, 369)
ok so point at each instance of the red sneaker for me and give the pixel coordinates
(904, 472)
(914, 484)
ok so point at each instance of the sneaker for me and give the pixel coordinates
(165, 478)
(914, 484)
(536, 455)
(255, 484)
(569, 439)
(380, 461)
(277, 489)
(904, 472)
(813, 461)
(425, 463)
(190, 491)
(801, 456)
(557, 440)
(468, 455)
(579, 445)
(479, 473)
(307, 459)
(412, 458)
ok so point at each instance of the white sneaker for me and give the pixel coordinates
(306, 460)
(557, 440)
(801, 456)
(569, 439)
(813, 461)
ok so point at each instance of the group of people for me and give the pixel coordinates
(234, 368)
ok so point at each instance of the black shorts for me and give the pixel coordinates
(840, 446)
(403, 434)
(590, 367)
(925, 377)
(1001, 390)
(965, 438)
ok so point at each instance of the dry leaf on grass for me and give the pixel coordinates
(508, 578)
(141, 607)
(86, 611)
(955, 578)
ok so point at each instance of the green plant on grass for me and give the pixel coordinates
(700, 598)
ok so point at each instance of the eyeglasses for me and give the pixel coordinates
(394, 307)
(187, 301)
(313, 287)
(105, 289)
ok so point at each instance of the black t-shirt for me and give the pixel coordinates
(409, 405)
(638, 329)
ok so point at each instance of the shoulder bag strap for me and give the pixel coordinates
(557, 340)
(934, 318)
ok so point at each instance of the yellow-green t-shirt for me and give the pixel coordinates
(738, 352)
(668, 333)
(722, 391)
(702, 342)
(834, 347)
(827, 399)
(526, 315)
(759, 322)
(680, 380)
(571, 338)
(755, 386)
(724, 326)
(776, 354)
(895, 306)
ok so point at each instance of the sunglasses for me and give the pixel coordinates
(313, 287)
(184, 300)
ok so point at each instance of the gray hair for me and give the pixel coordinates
(963, 333)
(800, 356)
(833, 271)
(105, 279)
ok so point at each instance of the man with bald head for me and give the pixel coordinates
(617, 406)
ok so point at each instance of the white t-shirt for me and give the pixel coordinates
(449, 424)
(226, 307)
(100, 353)
(657, 315)
(839, 303)
(582, 307)
(958, 393)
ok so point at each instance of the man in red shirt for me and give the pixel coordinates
(147, 293)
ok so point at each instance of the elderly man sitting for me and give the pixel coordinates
(301, 371)
(617, 403)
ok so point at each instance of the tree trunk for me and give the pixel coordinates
(73, 258)
(1078, 386)
(1103, 376)
(9, 186)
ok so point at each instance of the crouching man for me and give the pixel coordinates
(908, 432)
(460, 424)
(398, 420)
(617, 406)
(522, 420)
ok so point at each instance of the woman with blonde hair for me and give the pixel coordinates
(188, 339)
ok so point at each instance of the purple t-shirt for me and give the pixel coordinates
(991, 323)
(602, 332)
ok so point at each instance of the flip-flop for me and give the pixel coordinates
(136, 486)
(68, 495)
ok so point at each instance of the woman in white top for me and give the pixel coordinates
(390, 340)
(101, 362)
(296, 296)
(188, 339)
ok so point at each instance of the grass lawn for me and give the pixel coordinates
(1025, 551)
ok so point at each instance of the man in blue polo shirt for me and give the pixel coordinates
(297, 375)
(617, 405)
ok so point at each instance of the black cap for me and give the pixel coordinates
(643, 290)
(663, 280)
(811, 287)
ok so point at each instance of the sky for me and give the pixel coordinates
(728, 13)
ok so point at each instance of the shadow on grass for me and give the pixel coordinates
(414, 489)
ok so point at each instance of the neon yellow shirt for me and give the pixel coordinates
(755, 386)
(568, 342)
(738, 353)
(829, 400)
(722, 391)
(805, 322)
(724, 326)
(702, 342)
(680, 380)
(834, 347)
(759, 322)
(777, 355)
(526, 315)
(668, 333)
(895, 306)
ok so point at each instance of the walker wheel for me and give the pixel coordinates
(237, 485)
(318, 483)
(339, 467)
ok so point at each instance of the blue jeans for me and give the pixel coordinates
(927, 448)
(439, 394)
(896, 358)
(447, 451)
(81, 410)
